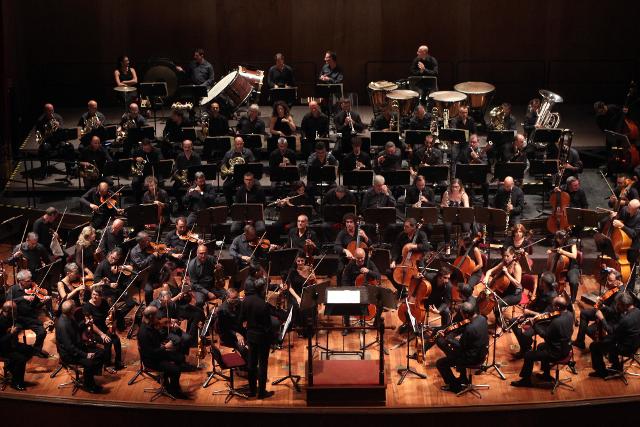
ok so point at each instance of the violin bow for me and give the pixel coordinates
(110, 196)
(123, 263)
(127, 288)
(258, 245)
(105, 230)
(220, 252)
(61, 218)
(313, 270)
(187, 243)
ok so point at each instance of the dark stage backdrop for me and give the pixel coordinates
(63, 51)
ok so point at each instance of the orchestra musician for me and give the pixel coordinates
(182, 242)
(172, 132)
(405, 238)
(280, 74)
(158, 354)
(454, 196)
(282, 123)
(314, 124)
(624, 192)
(468, 244)
(295, 280)
(71, 286)
(440, 297)
(383, 121)
(610, 116)
(623, 337)
(251, 123)
(217, 124)
(92, 161)
(97, 309)
(556, 346)
(318, 159)
(378, 196)
(348, 124)
(420, 120)
(113, 237)
(199, 71)
(49, 128)
(229, 326)
(344, 238)
(31, 251)
(515, 152)
(470, 349)
(473, 154)
(125, 75)
(464, 121)
(428, 155)
(519, 238)
(101, 201)
(44, 227)
(199, 196)
(241, 249)
(356, 159)
(256, 314)
(510, 199)
(15, 353)
(510, 269)
(157, 196)
(168, 312)
(573, 166)
(185, 159)
(86, 248)
(146, 155)
(73, 350)
(420, 196)
(282, 156)
(357, 265)
(613, 286)
(338, 196)
(389, 159)
(330, 71)
(90, 121)
(238, 150)
(531, 117)
(566, 246)
(542, 303)
(424, 65)
(628, 220)
(28, 307)
(302, 237)
(200, 271)
(508, 121)
(129, 120)
(249, 192)
(143, 256)
(113, 284)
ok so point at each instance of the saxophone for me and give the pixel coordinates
(506, 226)
(228, 171)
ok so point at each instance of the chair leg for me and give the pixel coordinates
(230, 389)
(561, 382)
(471, 387)
(74, 382)
(56, 372)
(5, 379)
(142, 371)
(159, 392)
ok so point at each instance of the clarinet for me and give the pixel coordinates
(506, 226)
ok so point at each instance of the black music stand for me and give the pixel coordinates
(281, 260)
(255, 168)
(191, 93)
(331, 92)
(434, 174)
(212, 216)
(457, 216)
(450, 134)
(545, 170)
(324, 176)
(500, 138)
(141, 215)
(492, 218)
(288, 173)
(543, 139)
(415, 137)
(581, 218)
(136, 135)
(381, 297)
(108, 133)
(361, 179)
(252, 141)
(424, 84)
(244, 212)
(164, 169)
(616, 144)
(190, 133)
(210, 172)
(512, 169)
(312, 296)
(289, 214)
(335, 213)
(397, 177)
(156, 91)
(379, 138)
(472, 174)
(215, 144)
(286, 94)
(428, 215)
(381, 217)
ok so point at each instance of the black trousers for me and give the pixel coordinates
(170, 368)
(453, 358)
(193, 315)
(17, 358)
(586, 315)
(258, 365)
(34, 325)
(599, 349)
(542, 355)
(116, 345)
(91, 367)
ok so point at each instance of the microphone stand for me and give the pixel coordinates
(295, 379)
(408, 370)
(495, 365)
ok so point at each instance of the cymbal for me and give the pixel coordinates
(402, 94)
(474, 88)
(448, 96)
(124, 89)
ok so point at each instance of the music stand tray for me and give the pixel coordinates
(327, 90)
(153, 89)
(357, 178)
(281, 260)
(380, 216)
(472, 174)
(544, 136)
(138, 134)
(247, 212)
(289, 214)
(434, 174)
(210, 171)
(191, 93)
(164, 169)
(428, 215)
(491, 217)
(252, 141)
(190, 133)
(512, 169)
(286, 94)
(543, 167)
(335, 213)
(458, 215)
(322, 174)
(451, 134)
(583, 217)
(346, 301)
(285, 174)
(501, 137)
(140, 215)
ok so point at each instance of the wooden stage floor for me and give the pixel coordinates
(414, 394)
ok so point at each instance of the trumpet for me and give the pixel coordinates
(353, 130)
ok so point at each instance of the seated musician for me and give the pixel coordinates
(573, 166)
(610, 116)
(531, 117)
(228, 326)
(30, 254)
(199, 71)
(383, 121)
(282, 156)
(628, 220)
(97, 309)
(440, 296)
(606, 305)
(515, 152)
(378, 196)
(185, 159)
(96, 199)
(168, 310)
(200, 271)
(146, 154)
(464, 121)
(299, 196)
(249, 192)
(318, 159)
(217, 124)
(565, 246)
(578, 197)
(181, 242)
(45, 227)
(15, 353)
(108, 274)
(243, 247)
(420, 120)
(338, 196)
(421, 196)
(295, 280)
(199, 196)
(508, 275)
(425, 156)
(302, 237)
(360, 264)
(405, 239)
(469, 244)
(90, 121)
(251, 124)
(473, 154)
(157, 196)
(623, 337)
(519, 238)
(113, 237)
(510, 199)
(348, 124)
(72, 349)
(282, 123)
(129, 120)
(345, 237)
(468, 350)
(280, 74)
(624, 192)
(424, 65)
(541, 303)
(92, 161)
(455, 196)
(85, 249)
(314, 124)
(71, 287)
(172, 132)
(51, 137)
(556, 346)
(159, 354)
(389, 159)
(142, 257)
(508, 120)
(356, 159)
(238, 150)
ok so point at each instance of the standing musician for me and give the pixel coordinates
(51, 137)
(129, 120)
(186, 159)
(182, 242)
(454, 196)
(229, 325)
(556, 346)
(302, 237)
(70, 287)
(378, 196)
(428, 155)
(348, 124)
(282, 156)
(606, 305)
(314, 124)
(356, 159)
(282, 123)
(125, 74)
(623, 337)
(359, 264)
(424, 65)
(440, 296)
(15, 353)
(238, 150)
(256, 315)
(45, 228)
(249, 192)
(31, 253)
(531, 117)
(420, 120)
(624, 192)
(97, 309)
(158, 354)
(508, 270)
(157, 196)
(515, 152)
(143, 256)
(280, 74)
(90, 122)
(610, 117)
(542, 303)
(510, 199)
(93, 159)
(330, 71)
(113, 237)
(199, 196)
(389, 159)
(565, 246)
(103, 203)
(86, 248)
(200, 271)
(628, 220)
(295, 280)
(405, 238)
(473, 154)
(470, 349)
(199, 71)
(28, 308)
(251, 123)
(141, 157)
(72, 349)
(169, 312)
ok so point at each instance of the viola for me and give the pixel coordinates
(260, 243)
(38, 292)
(110, 321)
(542, 317)
(126, 270)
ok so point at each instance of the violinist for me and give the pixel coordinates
(199, 196)
(510, 199)
(200, 271)
(440, 296)
(565, 247)
(356, 159)
(428, 155)
(506, 275)
(345, 237)
(45, 227)
(389, 159)
(70, 287)
(113, 237)
(33, 254)
(302, 237)
(613, 287)
(406, 239)
(97, 309)
(110, 275)
(296, 280)
(228, 325)
(359, 265)
(143, 256)
(242, 247)
(624, 192)
(158, 197)
(455, 196)
(92, 161)
(72, 350)
(556, 346)
(104, 206)
(28, 309)
(86, 248)
(469, 349)
(249, 192)
(182, 241)
(15, 353)
(158, 354)
(185, 159)
(169, 313)
(149, 157)
(623, 337)
(542, 303)
(420, 196)
(238, 150)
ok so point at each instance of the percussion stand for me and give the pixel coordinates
(495, 365)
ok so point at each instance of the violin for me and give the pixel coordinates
(542, 317)
(306, 272)
(606, 296)
(126, 270)
(446, 331)
(260, 243)
(159, 248)
(189, 237)
(40, 293)
(111, 200)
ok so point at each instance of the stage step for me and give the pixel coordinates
(346, 383)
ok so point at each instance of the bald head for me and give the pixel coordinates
(67, 307)
(508, 183)
(360, 254)
(149, 312)
(634, 205)
(423, 51)
(133, 108)
(93, 105)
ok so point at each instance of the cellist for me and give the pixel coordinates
(440, 296)
(507, 270)
(562, 260)
(344, 238)
(624, 192)
(628, 220)
(360, 264)
(405, 239)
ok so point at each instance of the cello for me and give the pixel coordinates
(464, 262)
(419, 290)
(408, 268)
(560, 200)
(358, 243)
(620, 241)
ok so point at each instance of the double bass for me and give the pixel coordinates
(560, 200)
(620, 241)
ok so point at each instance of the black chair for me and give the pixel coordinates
(470, 387)
(157, 376)
(5, 377)
(626, 363)
(562, 382)
(75, 376)
(230, 361)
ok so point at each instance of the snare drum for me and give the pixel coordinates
(478, 93)
(378, 94)
(449, 99)
(233, 89)
(407, 100)
(255, 77)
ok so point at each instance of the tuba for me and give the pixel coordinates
(497, 118)
(547, 119)
(227, 171)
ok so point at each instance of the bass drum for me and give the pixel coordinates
(254, 76)
(232, 90)
(163, 70)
